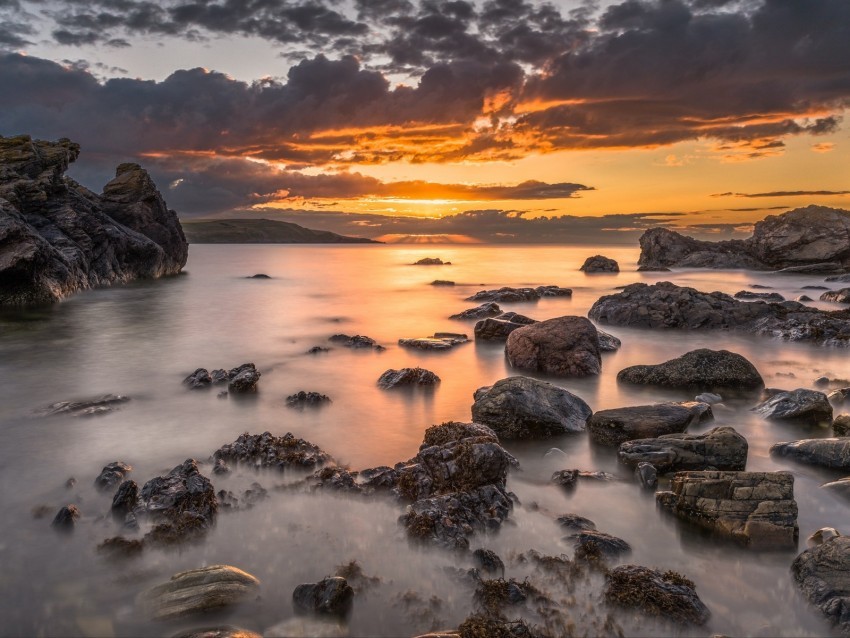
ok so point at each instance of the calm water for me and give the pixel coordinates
(141, 340)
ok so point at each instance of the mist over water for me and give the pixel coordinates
(141, 340)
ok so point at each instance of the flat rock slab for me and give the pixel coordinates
(656, 593)
(198, 591)
(757, 509)
(832, 453)
(699, 370)
(823, 575)
(613, 427)
(721, 448)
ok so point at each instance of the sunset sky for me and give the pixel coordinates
(446, 118)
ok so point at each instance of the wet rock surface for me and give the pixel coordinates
(269, 451)
(438, 341)
(525, 408)
(667, 306)
(182, 502)
(199, 591)
(564, 346)
(721, 448)
(809, 406)
(831, 453)
(701, 370)
(666, 594)
(488, 309)
(407, 377)
(594, 545)
(60, 238)
(302, 399)
(112, 474)
(823, 575)
(330, 596)
(498, 328)
(756, 509)
(613, 427)
(516, 295)
(599, 263)
(96, 406)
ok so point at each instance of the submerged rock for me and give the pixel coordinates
(809, 406)
(525, 408)
(598, 263)
(442, 282)
(646, 475)
(757, 509)
(96, 406)
(608, 342)
(59, 238)
(407, 377)
(840, 487)
(564, 346)
(183, 502)
(438, 341)
(823, 575)
(488, 309)
(515, 295)
(758, 296)
(832, 453)
(488, 561)
(112, 474)
(330, 596)
(199, 591)
(721, 448)
(356, 342)
(594, 545)
(432, 261)
(199, 379)
(66, 518)
(304, 399)
(613, 427)
(701, 369)
(266, 450)
(575, 522)
(498, 328)
(665, 594)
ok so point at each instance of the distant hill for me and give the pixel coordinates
(261, 231)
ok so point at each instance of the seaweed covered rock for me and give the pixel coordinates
(330, 596)
(525, 408)
(407, 377)
(183, 502)
(564, 346)
(720, 448)
(823, 575)
(809, 406)
(616, 426)
(593, 545)
(665, 594)
(58, 237)
(266, 450)
(832, 453)
(700, 370)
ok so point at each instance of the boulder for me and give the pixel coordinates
(199, 591)
(525, 408)
(183, 502)
(802, 405)
(564, 346)
(701, 369)
(574, 522)
(58, 237)
(488, 562)
(823, 575)
(268, 451)
(756, 509)
(839, 296)
(199, 379)
(721, 448)
(594, 545)
(407, 377)
(598, 263)
(330, 596)
(438, 341)
(111, 475)
(488, 309)
(498, 328)
(302, 399)
(613, 427)
(125, 500)
(831, 453)
(665, 594)
(667, 306)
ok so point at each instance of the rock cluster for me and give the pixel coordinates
(58, 237)
(240, 380)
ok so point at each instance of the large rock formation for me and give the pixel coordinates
(57, 237)
(701, 370)
(720, 448)
(823, 575)
(564, 346)
(808, 236)
(667, 306)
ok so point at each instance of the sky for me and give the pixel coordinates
(431, 120)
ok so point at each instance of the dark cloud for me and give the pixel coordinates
(800, 193)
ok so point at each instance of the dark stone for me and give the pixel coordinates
(613, 427)
(575, 522)
(802, 405)
(269, 451)
(118, 548)
(498, 328)
(303, 400)
(721, 448)
(608, 342)
(243, 380)
(758, 296)
(407, 377)
(665, 594)
(594, 545)
(488, 309)
(488, 562)
(259, 275)
(698, 370)
(841, 425)
(330, 596)
(200, 378)
(125, 500)
(598, 263)
(111, 475)
(442, 282)
(516, 295)
(438, 341)
(564, 346)
(66, 518)
(832, 453)
(432, 261)
(183, 502)
(565, 478)
(356, 342)
(823, 575)
(318, 350)
(646, 475)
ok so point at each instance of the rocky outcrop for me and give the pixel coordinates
(667, 306)
(525, 408)
(199, 591)
(757, 509)
(437, 341)
(809, 406)
(599, 263)
(58, 237)
(613, 427)
(407, 377)
(720, 448)
(823, 575)
(183, 502)
(564, 346)
(699, 370)
(268, 451)
(515, 295)
(831, 453)
(330, 596)
(804, 237)
(488, 309)
(498, 328)
(666, 594)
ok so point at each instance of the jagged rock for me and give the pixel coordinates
(758, 296)
(598, 263)
(125, 500)
(525, 408)
(330, 596)
(498, 328)
(701, 369)
(564, 346)
(243, 379)
(832, 453)
(183, 502)
(666, 594)
(839, 296)
(407, 377)
(646, 475)
(111, 475)
(721, 448)
(356, 342)
(488, 561)
(757, 509)
(810, 406)
(841, 425)
(575, 522)
(823, 575)
(667, 306)
(266, 450)
(432, 261)
(804, 238)
(66, 518)
(608, 342)
(515, 295)
(246, 500)
(303, 399)
(199, 591)
(97, 406)
(613, 427)
(594, 545)
(200, 378)
(335, 478)
(60, 238)
(438, 341)
(488, 309)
